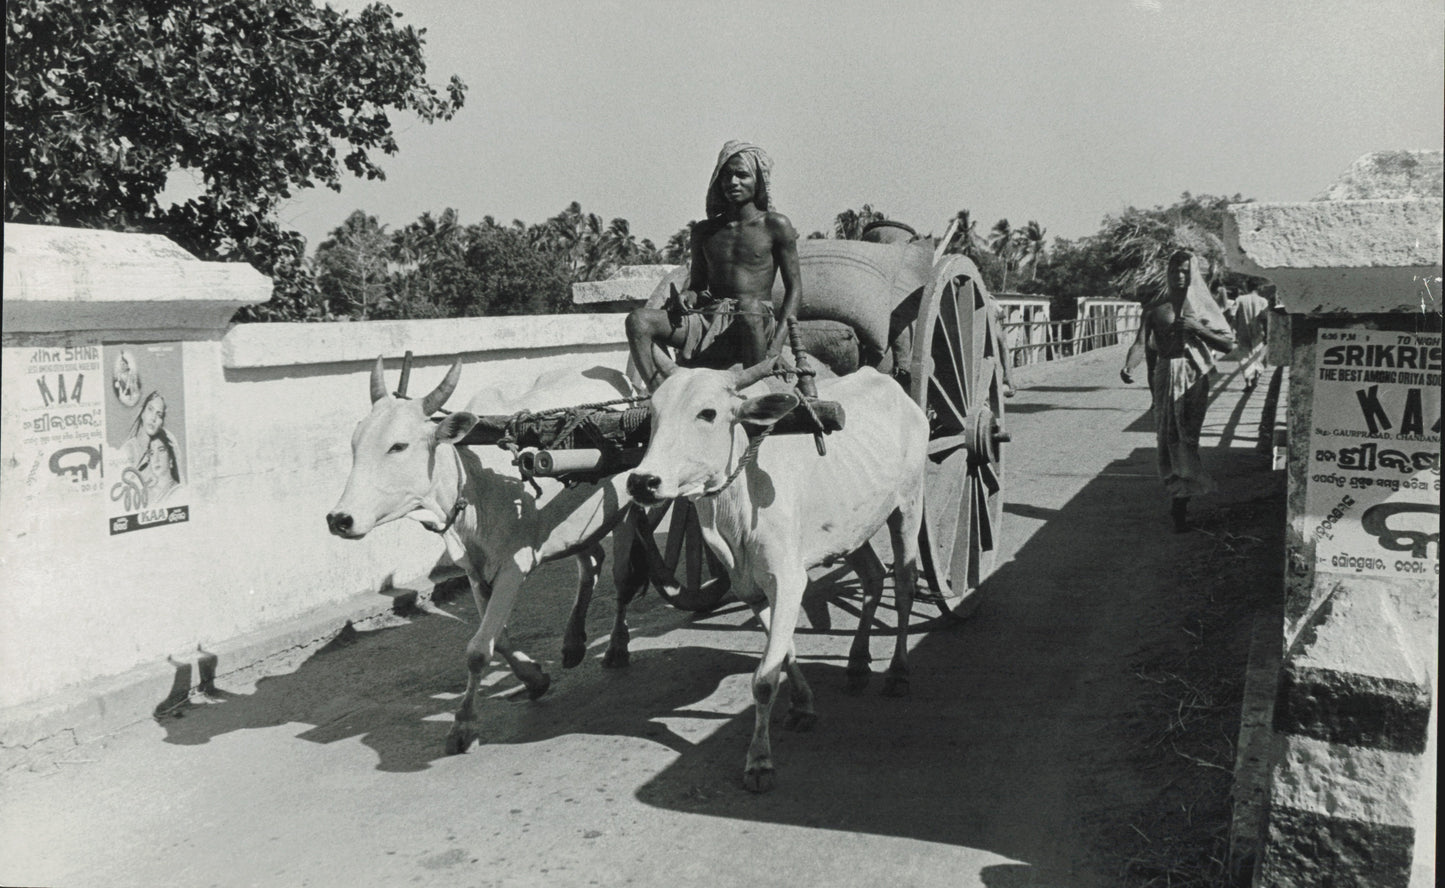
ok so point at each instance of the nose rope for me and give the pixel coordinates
(750, 456)
(459, 506)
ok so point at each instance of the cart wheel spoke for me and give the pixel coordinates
(951, 335)
(697, 594)
(950, 412)
(957, 380)
(942, 447)
(693, 549)
(676, 531)
(654, 520)
(989, 478)
(983, 526)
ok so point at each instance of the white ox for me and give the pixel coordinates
(792, 509)
(493, 526)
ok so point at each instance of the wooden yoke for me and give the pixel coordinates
(620, 429)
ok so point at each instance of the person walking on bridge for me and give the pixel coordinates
(1186, 326)
(1250, 312)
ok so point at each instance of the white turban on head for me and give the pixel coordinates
(762, 169)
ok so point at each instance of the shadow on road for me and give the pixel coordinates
(396, 688)
(1027, 733)
(1024, 735)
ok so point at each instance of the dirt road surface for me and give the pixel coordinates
(1053, 739)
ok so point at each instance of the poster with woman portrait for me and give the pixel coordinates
(145, 435)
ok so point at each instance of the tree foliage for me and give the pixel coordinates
(438, 267)
(849, 224)
(351, 266)
(1140, 242)
(104, 99)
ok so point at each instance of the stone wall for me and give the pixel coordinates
(101, 575)
(1351, 776)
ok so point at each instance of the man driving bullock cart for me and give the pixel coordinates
(905, 415)
(737, 251)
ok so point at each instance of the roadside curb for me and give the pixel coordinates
(35, 733)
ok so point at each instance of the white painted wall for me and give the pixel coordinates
(269, 410)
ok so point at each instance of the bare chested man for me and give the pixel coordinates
(736, 253)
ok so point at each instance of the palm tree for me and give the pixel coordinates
(425, 254)
(1002, 241)
(576, 238)
(849, 224)
(1031, 238)
(678, 250)
(618, 245)
(966, 239)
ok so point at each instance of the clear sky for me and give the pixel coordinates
(1060, 111)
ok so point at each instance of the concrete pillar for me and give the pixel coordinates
(1351, 776)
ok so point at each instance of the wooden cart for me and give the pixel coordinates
(926, 320)
(929, 322)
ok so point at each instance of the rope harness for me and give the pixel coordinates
(750, 456)
(459, 506)
(580, 422)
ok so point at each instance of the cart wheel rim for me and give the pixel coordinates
(956, 376)
(704, 582)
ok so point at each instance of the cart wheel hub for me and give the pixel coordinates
(983, 435)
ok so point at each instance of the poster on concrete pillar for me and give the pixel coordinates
(145, 434)
(1373, 489)
(54, 407)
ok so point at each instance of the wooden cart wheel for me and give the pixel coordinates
(704, 582)
(956, 376)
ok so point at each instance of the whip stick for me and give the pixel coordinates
(806, 385)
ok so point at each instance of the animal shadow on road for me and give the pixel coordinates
(396, 688)
(1023, 736)
(1029, 732)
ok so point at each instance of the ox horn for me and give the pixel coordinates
(378, 381)
(433, 402)
(747, 376)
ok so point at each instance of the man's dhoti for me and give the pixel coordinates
(703, 326)
(1181, 398)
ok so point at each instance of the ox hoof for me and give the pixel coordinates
(572, 656)
(801, 722)
(895, 685)
(616, 658)
(459, 739)
(858, 679)
(759, 778)
(538, 687)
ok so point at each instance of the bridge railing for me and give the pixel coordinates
(1035, 341)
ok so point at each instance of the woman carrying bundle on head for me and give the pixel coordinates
(1186, 327)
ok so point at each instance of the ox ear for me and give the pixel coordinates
(455, 426)
(764, 410)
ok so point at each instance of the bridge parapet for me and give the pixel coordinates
(117, 571)
(1350, 790)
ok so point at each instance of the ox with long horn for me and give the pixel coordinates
(434, 399)
(404, 464)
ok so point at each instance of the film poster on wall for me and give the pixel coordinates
(56, 444)
(145, 436)
(1373, 494)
